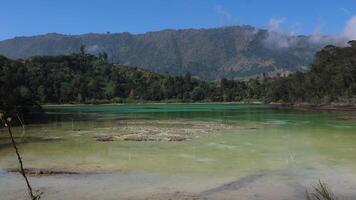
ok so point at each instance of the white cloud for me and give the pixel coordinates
(277, 36)
(284, 38)
(345, 11)
(225, 17)
(350, 29)
(275, 24)
(294, 29)
(280, 37)
(93, 49)
(220, 10)
(317, 35)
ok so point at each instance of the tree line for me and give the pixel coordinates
(85, 78)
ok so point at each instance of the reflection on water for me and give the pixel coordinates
(266, 148)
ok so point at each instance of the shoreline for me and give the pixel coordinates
(333, 107)
(156, 103)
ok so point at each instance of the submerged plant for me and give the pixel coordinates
(320, 192)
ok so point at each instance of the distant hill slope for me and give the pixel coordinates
(231, 52)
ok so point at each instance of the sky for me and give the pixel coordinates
(33, 17)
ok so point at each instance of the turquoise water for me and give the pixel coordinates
(290, 149)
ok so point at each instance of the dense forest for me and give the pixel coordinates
(85, 78)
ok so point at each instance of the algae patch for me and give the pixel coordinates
(162, 131)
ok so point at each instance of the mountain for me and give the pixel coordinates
(231, 52)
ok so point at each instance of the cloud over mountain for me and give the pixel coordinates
(350, 29)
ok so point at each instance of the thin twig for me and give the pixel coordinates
(22, 125)
(22, 171)
(19, 118)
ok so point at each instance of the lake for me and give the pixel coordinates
(183, 151)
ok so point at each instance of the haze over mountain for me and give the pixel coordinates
(231, 52)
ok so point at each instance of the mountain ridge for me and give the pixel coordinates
(207, 53)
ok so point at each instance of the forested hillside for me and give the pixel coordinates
(210, 54)
(85, 78)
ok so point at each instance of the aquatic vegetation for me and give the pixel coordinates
(321, 192)
(163, 131)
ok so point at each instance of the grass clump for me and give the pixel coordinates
(320, 192)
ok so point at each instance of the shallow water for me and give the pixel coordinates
(267, 153)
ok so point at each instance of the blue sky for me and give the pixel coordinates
(31, 17)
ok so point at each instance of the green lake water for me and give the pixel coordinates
(270, 153)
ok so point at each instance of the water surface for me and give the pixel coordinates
(270, 153)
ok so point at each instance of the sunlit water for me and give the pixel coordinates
(272, 154)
